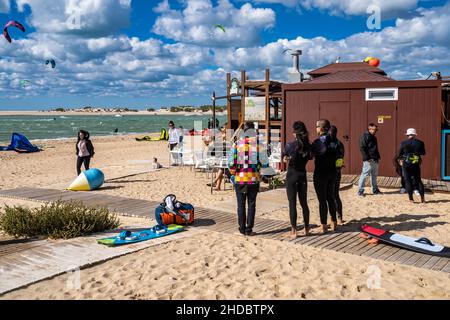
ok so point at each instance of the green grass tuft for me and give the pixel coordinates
(57, 220)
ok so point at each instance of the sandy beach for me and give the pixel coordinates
(226, 266)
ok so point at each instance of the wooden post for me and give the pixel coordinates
(267, 122)
(228, 100)
(213, 136)
(243, 95)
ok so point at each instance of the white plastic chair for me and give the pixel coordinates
(188, 158)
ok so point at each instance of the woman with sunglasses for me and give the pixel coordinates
(174, 136)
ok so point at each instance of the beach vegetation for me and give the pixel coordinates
(57, 220)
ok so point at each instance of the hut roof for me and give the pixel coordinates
(350, 76)
(345, 66)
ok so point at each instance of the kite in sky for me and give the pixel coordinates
(52, 62)
(11, 23)
(221, 27)
(25, 83)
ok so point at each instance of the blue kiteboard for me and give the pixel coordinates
(128, 237)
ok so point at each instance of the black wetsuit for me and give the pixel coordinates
(411, 151)
(297, 184)
(325, 153)
(337, 185)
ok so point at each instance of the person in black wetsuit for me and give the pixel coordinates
(410, 153)
(297, 154)
(339, 165)
(324, 150)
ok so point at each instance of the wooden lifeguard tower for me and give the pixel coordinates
(258, 101)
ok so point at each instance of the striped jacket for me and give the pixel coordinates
(247, 157)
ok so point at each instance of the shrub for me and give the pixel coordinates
(57, 220)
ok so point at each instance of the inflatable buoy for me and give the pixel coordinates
(375, 62)
(88, 180)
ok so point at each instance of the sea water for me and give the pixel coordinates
(37, 127)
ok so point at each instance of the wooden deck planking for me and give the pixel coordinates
(375, 248)
(414, 259)
(430, 263)
(355, 249)
(350, 246)
(405, 257)
(384, 249)
(338, 241)
(325, 240)
(267, 228)
(350, 239)
(279, 231)
(397, 256)
(442, 262)
(446, 267)
(389, 253)
(305, 240)
(227, 223)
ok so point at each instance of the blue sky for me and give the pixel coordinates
(143, 53)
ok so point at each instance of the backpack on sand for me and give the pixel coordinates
(172, 211)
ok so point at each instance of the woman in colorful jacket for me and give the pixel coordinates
(247, 157)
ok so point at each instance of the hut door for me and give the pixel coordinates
(384, 114)
(338, 113)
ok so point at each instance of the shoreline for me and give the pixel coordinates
(73, 113)
(123, 135)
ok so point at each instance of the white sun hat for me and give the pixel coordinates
(411, 132)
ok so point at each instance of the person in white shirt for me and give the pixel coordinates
(174, 136)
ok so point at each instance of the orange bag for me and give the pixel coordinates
(179, 213)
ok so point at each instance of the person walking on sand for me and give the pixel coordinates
(324, 150)
(85, 150)
(174, 139)
(297, 154)
(339, 165)
(410, 153)
(245, 162)
(371, 157)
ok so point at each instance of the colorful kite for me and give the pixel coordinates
(11, 23)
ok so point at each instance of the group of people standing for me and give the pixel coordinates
(247, 158)
(246, 161)
(328, 154)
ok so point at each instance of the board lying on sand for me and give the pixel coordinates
(422, 245)
(127, 237)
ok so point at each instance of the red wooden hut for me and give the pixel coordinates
(351, 95)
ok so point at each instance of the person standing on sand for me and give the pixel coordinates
(339, 165)
(410, 153)
(371, 157)
(85, 150)
(174, 136)
(325, 154)
(245, 162)
(297, 154)
(174, 139)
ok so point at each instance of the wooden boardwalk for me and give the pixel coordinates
(346, 241)
(23, 263)
(394, 182)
